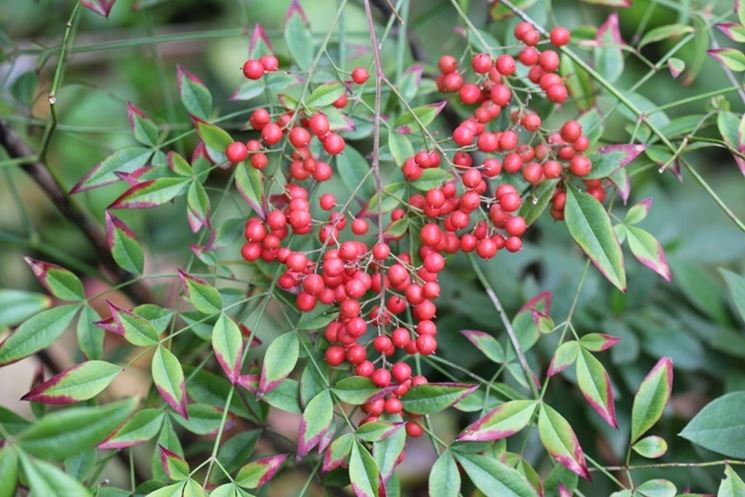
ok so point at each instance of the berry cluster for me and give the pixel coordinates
(371, 284)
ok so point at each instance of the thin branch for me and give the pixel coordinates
(39, 172)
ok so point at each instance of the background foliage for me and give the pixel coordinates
(696, 319)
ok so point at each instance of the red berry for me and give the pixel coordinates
(481, 63)
(269, 62)
(463, 136)
(381, 377)
(236, 152)
(559, 36)
(426, 344)
(333, 144)
(359, 75)
(557, 93)
(299, 137)
(505, 65)
(413, 429)
(335, 355)
(448, 64)
(253, 69)
(571, 131)
(580, 166)
(549, 60)
(470, 94)
(319, 125)
(510, 202)
(271, 134)
(393, 405)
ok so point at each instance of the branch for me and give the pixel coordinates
(38, 171)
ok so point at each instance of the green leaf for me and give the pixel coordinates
(194, 95)
(325, 95)
(299, 41)
(650, 400)
(279, 361)
(392, 196)
(337, 454)
(76, 384)
(204, 297)
(71, 431)
(493, 478)
(125, 160)
(656, 488)
(560, 441)
(375, 431)
(215, 139)
(140, 428)
(664, 32)
(12, 422)
(257, 473)
(229, 490)
(18, 305)
(151, 193)
(578, 83)
(168, 377)
(134, 328)
(595, 385)
(250, 185)
(60, 282)
(720, 425)
(47, 480)
(173, 490)
(648, 251)
(227, 343)
(736, 286)
(37, 333)
(203, 419)
(676, 66)
(354, 390)
(353, 170)
(174, 465)
(501, 422)
(363, 472)
(387, 452)
(731, 58)
(608, 53)
(401, 148)
(418, 116)
(317, 318)
(285, 397)
(431, 178)
(537, 201)
(125, 249)
(486, 344)
(651, 447)
(731, 485)
(251, 89)
(444, 479)
(193, 489)
(143, 128)
(8, 471)
(316, 421)
(434, 397)
(589, 225)
(564, 357)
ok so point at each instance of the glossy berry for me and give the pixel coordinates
(359, 75)
(559, 36)
(253, 69)
(236, 152)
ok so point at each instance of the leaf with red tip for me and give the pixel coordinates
(140, 428)
(174, 466)
(204, 297)
(260, 43)
(197, 207)
(279, 361)
(595, 385)
(151, 193)
(363, 472)
(135, 329)
(227, 344)
(249, 381)
(733, 31)
(355, 390)
(731, 58)
(608, 53)
(598, 342)
(501, 422)
(676, 66)
(589, 225)
(76, 384)
(168, 377)
(298, 37)
(143, 128)
(387, 452)
(621, 181)
(215, 139)
(316, 420)
(434, 397)
(375, 431)
(560, 441)
(487, 344)
(732, 129)
(652, 397)
(611, 158)
(100, 7)
(648, 251)
(179, 165)
(250, 184)
(638, 212)
(125, 249)
(124, 160)
(194, 95)
(337, 454)
(564, 357)
(257, 473)
(37, 333)
(60, 282)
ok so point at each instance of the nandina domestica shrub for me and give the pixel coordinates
(319, 335)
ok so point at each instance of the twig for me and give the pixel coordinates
(672, 465)
(39, 172)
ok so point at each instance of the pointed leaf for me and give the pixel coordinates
(71, 431)
(501, 422)
(215, 139)
(720, 425)
(596, 387)
(140, 428)
(169, 379)
(651, 447)
(387, 452)
(60, 282)
(204, 297)
(134, 328)
(325, 95)
(731, 58)
(401, 148)
(37, 333)
(100, 7)
(612, 158)
(50, 481)
(151, 193)
(650, 400)
(560, 441)
(194, 95)
(731, 485)
(434, 397)
(444, 479)
(125, 249)
(227, 342)
(676, 66)
(174, 466)
(487, 345)
(143, 128)
(354, 390)
(375, 431)
(648, 251)
(493, 478)
(8, 471)
(250, 184)
(257, 473)
(656, 488)
(18, 305)
(564, 357)
(76, 384)
(279, 361)
(589, 225)
(317, 418)
(337, 454)
(664, 32)
(125, 160)
(598, 342)
(353, 169)
(299, 38)
(363, 472)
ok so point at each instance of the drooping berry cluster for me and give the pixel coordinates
(371, 284)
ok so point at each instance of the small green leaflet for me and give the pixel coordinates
(37, 333)
(143, 128)
(325, 95)
(48, 480)
(257, 473)
(125, 249)
(168, 377)
(560, 441)
(151, 193)
(194, 95)
(125, 160)
(279, 361)
(174, 465)
(435, 397)
(215, 139)
(363, 472)
(203, 296)
(8, 471)
(60, 282)
(651, 447)
(250, 184)
(650, 400)
(227, 343)
(316, 421)
(595, 385)
(501, 422)
(18, 305)
(299, 38)
(354, 390)
(140, 428)
(493, 478)
(444, 478)
(720, 425)
(76, 384)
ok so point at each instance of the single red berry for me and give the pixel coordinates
(557, 93)
(271, 134)
(381, 377)
(549, 60)
(551, 169)
(253, 69)
(505, 65)
(359, 75)
(513, 244)
(426, 344)
(319, 125)
(333, 144)
(470, 94)
(269, 62)
(393, 405)
(413, 429)
(341, 102)
(448, 64)
(335, 355)
(571, 131)
(528, 56)
(463, 136)
(299, 137)
(580, 166)
(560, 36)
(236, 152)
(481, 63)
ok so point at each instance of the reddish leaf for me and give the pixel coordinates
(257, 37)
(100, 7)
(75, 384)
(598, 342)
(257, 473)
(135, 329)
(168, 377)
(151, 193)
(564, 357)
(501, 422)
(60, 282)
(174, 466)
(227, 344)
(337, 454)
(560, 441)
(595, 385)
(194, 95)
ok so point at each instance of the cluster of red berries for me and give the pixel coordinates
(256, 68)
(372, 286)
